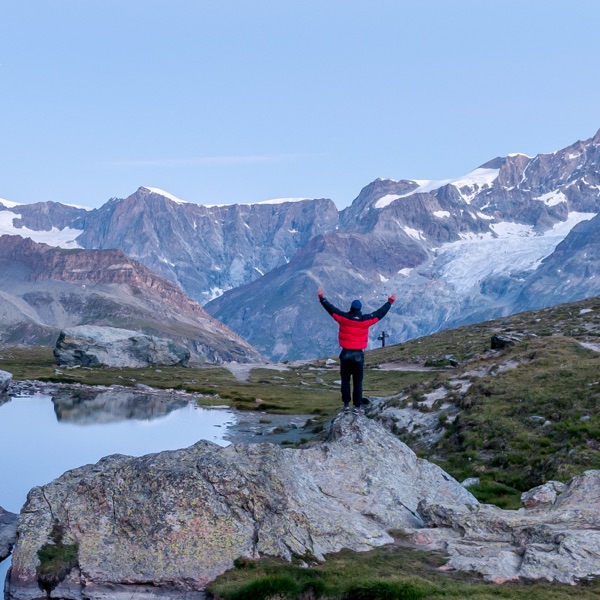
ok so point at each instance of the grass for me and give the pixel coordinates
(307, 389)
(389, 573)
(536, 422)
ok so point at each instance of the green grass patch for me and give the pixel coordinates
(389, 573)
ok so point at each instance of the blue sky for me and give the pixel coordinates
(227, 101)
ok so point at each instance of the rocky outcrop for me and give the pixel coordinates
(8, 532)
(180, 518)
(90, 346)
(557, 540)
(5, 379)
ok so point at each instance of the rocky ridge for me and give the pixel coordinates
(206, 249)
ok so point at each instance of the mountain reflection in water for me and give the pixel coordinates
(88, 408)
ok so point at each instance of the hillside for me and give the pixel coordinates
(45, 289)
(512, 417)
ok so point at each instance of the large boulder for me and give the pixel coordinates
(91, 346)
(557, 539)
(8, 532)
(5, 379)
(180, 518)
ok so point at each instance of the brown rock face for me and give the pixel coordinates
(55, 288)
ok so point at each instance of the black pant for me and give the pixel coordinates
(352, 364)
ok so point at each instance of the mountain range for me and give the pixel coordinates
(516, 233)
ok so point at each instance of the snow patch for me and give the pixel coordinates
(8, 203)
(282, 200)
(414, 233)
(61, 238)
(552, 198)
(165, 195)
(213, 293)
(259, 271)
(382, 278)
(475, 181)
(511, 249)
(406, 271)
(387, 200)
(441, 214)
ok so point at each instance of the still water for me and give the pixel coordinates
(44, 436)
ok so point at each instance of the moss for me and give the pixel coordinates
(57, 559)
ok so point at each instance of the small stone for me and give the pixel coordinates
(470, 482)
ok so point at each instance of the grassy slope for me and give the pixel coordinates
(534, 415)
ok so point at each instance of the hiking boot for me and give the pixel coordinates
(346, 408)
(356, 411)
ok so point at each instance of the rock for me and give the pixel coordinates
(5, 379)
(542, 494)
(557, 542)
(8, 532)
(470, 482)
(499, 342)
(423, 426)
(91, 346)
(181, 517)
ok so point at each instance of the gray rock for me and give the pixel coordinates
(556, 542)
(470, 482)
(8, 532)
(90, 346)
(545, 494)
(181, 517)
(5, 379)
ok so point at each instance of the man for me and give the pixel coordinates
(353, 338)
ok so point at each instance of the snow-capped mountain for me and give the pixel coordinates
(456, 251)
(517, 232)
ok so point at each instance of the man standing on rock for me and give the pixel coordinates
(353, 338)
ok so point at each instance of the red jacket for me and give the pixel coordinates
(354, 326)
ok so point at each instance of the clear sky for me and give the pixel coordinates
(221, 101)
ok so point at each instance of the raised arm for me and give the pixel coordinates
(330, 308)
(383, 310)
